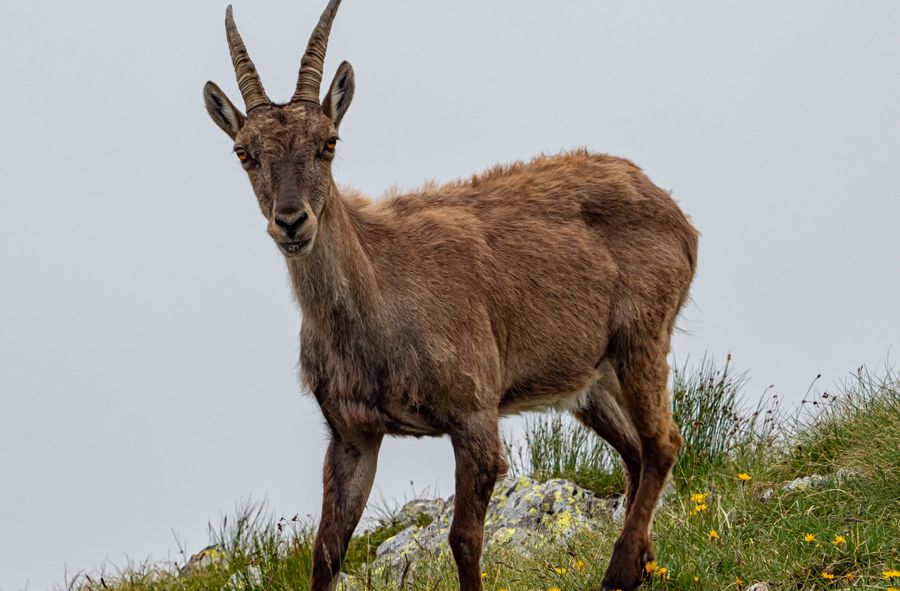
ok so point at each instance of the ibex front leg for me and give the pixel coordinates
(479, 460)
(348, 474)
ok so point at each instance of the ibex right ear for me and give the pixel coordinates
(222, 110)
(340, 94)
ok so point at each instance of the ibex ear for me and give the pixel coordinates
(340, 94)
(222, 110)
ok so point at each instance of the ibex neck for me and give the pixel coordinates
(335, 282)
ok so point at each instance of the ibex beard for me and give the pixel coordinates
(553, 283)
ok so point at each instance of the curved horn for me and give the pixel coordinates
(248, 80)
(313, 62)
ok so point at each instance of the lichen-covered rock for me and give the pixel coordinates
(523, 513)
(821, 481)
(412, 512)
(210, 557)
(213, 557)
(811, 481)
(615, 505)
(523, 509)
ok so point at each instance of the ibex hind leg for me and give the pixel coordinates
(605, 414)
(643, 376)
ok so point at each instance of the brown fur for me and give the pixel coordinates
(552, 283)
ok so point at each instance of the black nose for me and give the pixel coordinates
(290, 222)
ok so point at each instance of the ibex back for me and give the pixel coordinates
(554, 283)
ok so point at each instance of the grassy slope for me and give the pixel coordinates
(857, 431)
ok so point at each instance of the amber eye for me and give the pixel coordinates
(241, 153)
(330, 145)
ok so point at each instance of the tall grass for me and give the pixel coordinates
(829, 427)
(556, 447)
(708, 404)
(716, 422)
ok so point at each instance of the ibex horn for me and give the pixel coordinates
(248, 80)
(313, 62)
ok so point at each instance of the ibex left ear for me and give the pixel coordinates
(340, 94)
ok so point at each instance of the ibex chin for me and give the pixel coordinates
(549, 284)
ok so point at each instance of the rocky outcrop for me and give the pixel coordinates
(523, 512)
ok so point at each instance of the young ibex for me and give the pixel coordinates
(554, 283)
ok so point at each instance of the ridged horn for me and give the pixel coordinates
(248, 80)
(309, 81)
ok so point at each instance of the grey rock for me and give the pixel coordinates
(615, 505)
(210, 557)
(411, 511)
(761, 586)
(523, 513)
(811, 481)
(820, 481)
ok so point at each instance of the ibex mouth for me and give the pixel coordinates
(292, 248)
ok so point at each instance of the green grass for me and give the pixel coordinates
(854, 432)
(555, 447)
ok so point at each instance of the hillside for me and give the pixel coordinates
(763, 498)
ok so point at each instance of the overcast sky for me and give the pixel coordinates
(148, 339)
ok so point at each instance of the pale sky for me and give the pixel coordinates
(148, 338)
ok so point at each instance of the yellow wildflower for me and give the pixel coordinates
(553, 589)
(699, 497)
(561, 570)
(579, 564)
(809, 538)
(696, 578)
(483, 575)
(651, 567)
(838, 540)
(893, 589)
(891, 574)
(828, 576)
(744, 476)
(662, 572)
(700, 508)
(739, 582)
(713, 535)
(849, 576)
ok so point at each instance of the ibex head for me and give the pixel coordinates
(286, 149)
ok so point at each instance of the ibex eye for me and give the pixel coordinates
(241, 154)
(331, 144)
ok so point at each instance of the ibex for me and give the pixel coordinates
(549, 284)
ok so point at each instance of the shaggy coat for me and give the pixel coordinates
(506, 291)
